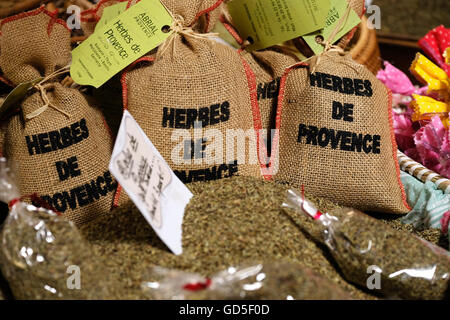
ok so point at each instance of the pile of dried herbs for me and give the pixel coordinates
(274, 281)
(38, 251)
(231, 222)
(228, 223)
(409, 267)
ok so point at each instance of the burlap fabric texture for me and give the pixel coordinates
(196, 79)
(336, 135)
(62, 153)
(201, 15)
(89, 18)
(268, 66)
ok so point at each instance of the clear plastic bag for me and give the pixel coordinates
(273, 281)
(375, 256)
(43, 256)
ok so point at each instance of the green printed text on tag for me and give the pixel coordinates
(268, 22)
(337, 11)
(120, 42)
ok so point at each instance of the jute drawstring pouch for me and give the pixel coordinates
(59, 138)
(335, 134)
(268, 66)
(203, 14)
(196, 101)
(90, 18)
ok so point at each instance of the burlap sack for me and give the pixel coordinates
(268, 66)
(336, 135)
(110, 93)
(196, 79)
(63, 153)
(200, 15)
(89, 18)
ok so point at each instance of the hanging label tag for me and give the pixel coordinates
(147, 178)
(110, 13)
(16, 96)
(266, 23)
(337, 11)
(120, 42)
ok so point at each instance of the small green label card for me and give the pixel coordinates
(110, 13)
(16, 96)
(337, 11)
(268, 22)
(120, 42)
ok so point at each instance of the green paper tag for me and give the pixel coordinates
(269, 22)
(16, 96)
(120, 42)
(110, 13)
(337, 11)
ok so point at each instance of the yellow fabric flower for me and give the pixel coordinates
(428, 73)
(426, 107)
(437, 80)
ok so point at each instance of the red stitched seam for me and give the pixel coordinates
(394, 150)
(95, 17)
(257, 123)
(33, 13)
(276, 138)
(208, 21)
(117, 196)
(212, 8)
(231, 30)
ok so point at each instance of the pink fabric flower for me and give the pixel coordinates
(404, 132)
(445, 156)
(429, 141)
(396, 80)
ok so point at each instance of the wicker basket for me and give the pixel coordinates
(364, 47)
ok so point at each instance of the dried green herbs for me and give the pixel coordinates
(228, 222)
(409, 267)
(232, 222)
(39, 252)
(272, 281)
